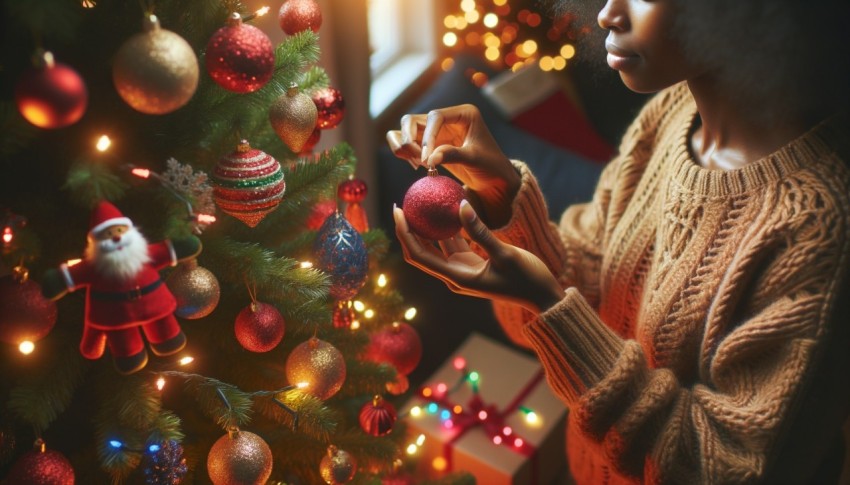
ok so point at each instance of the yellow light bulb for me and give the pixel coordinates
(449, 39)
(412, 449)
(382, 280)
(187, 360)
(103, 143)
(26, 347)
(410, 314)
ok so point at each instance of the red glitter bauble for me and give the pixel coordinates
(319, 213)
(297, 15)
(24, 313)
(259, 327)
(52, 95)
(352, 190)
(331, 107)
(397, 344)
(240, 57)
(248, 184)
(377, 417)
(38, 467)
(431, 207)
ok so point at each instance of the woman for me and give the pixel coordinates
(694, 315)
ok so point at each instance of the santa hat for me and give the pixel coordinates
(107, 215)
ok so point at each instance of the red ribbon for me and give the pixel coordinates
(492, 421)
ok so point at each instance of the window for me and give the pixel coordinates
(402, 43)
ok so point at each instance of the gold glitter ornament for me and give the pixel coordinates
(337, 466)
(293, 116)
(195, 288)
(319, 365)
(239, 458)
(155, 71)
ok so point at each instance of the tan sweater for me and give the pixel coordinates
(703, 337)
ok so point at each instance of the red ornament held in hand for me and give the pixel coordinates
(126, 295)
(431, 206)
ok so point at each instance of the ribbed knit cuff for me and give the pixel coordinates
(574, 345)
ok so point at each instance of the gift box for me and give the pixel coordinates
(489, 412)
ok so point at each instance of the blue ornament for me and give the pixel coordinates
(165, 464)
(341, 254)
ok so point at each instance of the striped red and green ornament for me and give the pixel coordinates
(248, 184)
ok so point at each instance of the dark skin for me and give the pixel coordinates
(725, 136)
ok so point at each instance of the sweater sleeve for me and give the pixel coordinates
(572, 252)
(725, 426)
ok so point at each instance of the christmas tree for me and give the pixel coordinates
(200, 133)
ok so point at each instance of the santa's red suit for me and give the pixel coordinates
(119, 309)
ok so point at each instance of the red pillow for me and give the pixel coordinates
(535, 101)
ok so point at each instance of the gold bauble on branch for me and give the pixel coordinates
(337, 466)
(318, 365)
(155, 71)
(293, 116)
(239, 458)
(195, 288)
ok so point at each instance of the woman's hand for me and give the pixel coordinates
(458, 139)
(510, 273)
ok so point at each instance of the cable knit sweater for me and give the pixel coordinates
(703, 337)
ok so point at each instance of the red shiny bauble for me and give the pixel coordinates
(311, 142)
(38, 467)
(240, 57)
(52, 95)
(259, 327)
(377, 417)
(298, 15)
(397, 344)
(352, 190)
(331, 107)
(24, 313)
(431, 207)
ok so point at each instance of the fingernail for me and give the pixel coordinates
(424, 152)
(467, 212)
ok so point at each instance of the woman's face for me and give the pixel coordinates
(641, 45)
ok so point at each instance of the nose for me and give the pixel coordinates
(116, 238)
(613, 16)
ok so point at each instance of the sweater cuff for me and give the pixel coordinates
(528, 209)
(575, 347)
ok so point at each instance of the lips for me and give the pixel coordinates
(618, 51)
(619, 58)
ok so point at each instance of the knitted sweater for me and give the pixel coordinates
(703, 337)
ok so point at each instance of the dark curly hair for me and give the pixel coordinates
(786, 55)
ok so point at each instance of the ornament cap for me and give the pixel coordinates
(20, 274)
(43, 59)
(292, 89)
(150, 23)
(432, 170)
(377, 400)
(243, 147)
(332, 450)
(234, 20)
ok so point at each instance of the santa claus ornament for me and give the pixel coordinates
(126, 296)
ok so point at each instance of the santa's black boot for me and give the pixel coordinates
(171, 346)
(131, 363)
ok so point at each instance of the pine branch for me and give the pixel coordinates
(17, 132)
(46, 395)
(129, 409)
(225, 403)
(371, 378)
(91, 182)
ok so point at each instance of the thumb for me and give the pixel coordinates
(477, 230)
(446, 154)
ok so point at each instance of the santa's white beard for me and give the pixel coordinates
(120, 260)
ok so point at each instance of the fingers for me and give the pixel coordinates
(478, 231)
(461, 116)
(402, 150)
